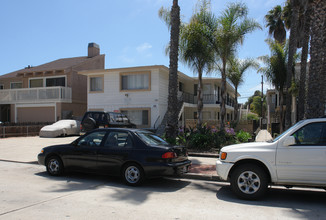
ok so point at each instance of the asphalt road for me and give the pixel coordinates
(28, 192)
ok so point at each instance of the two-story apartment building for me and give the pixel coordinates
(48, 92)
(142, 94)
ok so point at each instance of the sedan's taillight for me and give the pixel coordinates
(169, 155)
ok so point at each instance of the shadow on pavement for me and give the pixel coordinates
(299, 202)
(72, 182)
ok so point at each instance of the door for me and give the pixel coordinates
(114, 152)
(305, 161)
(84, 154)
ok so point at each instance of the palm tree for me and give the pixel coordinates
(276, 70)
(304, 56)
(316, 83)
(195, 51)
(292, 51)
(275, 23)
(229, 31)
(172, 19)
(235, 73)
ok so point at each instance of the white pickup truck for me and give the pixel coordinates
(295, 158)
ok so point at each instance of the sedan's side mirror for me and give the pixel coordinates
(290, 140)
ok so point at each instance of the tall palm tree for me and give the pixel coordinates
(307, 11)
(231, 28)
(276, 71)
(295, 5)
(172, 19)
(275, 23)
(316, 83)
(196, 52)
(235, 73)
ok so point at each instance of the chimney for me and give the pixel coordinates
(93, 50)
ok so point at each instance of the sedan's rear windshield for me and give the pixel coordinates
(152, 139)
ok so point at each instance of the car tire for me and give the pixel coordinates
(89, 124)
(133, 174)
(54, 166)
(249, 181)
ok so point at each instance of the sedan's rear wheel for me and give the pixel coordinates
(133, 174)
(54, 166)
(249, 181)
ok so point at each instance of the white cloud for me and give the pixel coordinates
(143, 47)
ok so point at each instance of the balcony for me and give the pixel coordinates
(35, 95)
(207, 99)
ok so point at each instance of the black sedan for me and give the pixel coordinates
(133, 154)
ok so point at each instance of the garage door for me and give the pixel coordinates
(35, 114)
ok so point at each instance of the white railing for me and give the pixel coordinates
(35, 95)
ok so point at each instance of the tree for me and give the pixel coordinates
(255, 106)
(292, 51)
(317, 77)
(307, 10)
(195, 50)
(275, 23)
(235, 73)
(250, 99)
(228, 33)
(276, 70)
(172, 18)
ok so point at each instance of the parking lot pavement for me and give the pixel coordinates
(26, 149)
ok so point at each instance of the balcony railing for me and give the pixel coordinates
(35, 95)
(207, 99)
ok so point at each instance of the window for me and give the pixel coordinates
(58, 81)
(1, 86)
(92, 140)
(96, 84)
(311, 134)
(180, 87)
(34, 83)
(207, 89)
(140, 117)
(118, 139)
(152, 139)
(195, 89)
(135, 81)
(16, 85)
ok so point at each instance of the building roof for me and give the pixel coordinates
(60, 64)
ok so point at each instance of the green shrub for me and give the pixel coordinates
(206, 138)
(252, 116)
(243, 136)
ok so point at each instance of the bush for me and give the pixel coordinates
(243, 136)
(252, 116)
(207, 138)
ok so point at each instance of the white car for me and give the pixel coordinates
(61, 128)
(295, 158)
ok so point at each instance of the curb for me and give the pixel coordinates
(195, 154)
(197, 176)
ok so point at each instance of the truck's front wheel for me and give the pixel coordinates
(249, 181)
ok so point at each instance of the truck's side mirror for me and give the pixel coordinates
(290, 140)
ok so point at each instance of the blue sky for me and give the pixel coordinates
(129, 33)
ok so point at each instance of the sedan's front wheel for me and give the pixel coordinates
(54, 166)
(133, 174)
(249, 181)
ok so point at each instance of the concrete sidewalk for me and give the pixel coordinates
(26, 149)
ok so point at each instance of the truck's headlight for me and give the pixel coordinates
(223, 155)
(42, 151)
